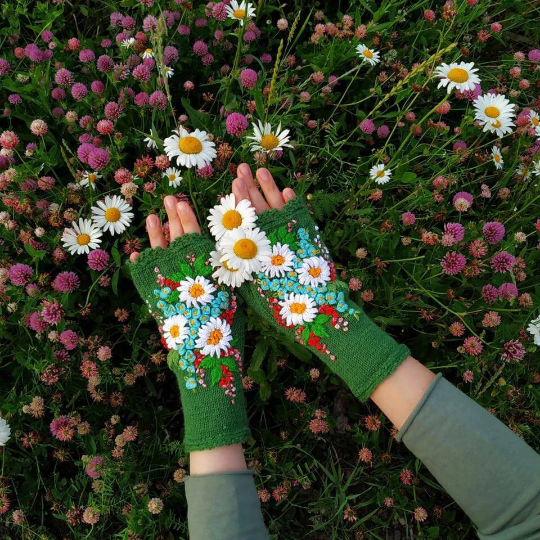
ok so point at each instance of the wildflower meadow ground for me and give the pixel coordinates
(413, 131)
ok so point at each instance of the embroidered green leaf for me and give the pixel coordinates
(230, 363)
(172, 358)
(282, 234)
(319, 330)
(210, 362)
(206, 270)
(177, 276)
(273, 237)
(186, 269)
(289, 239)
(305, 333)
(216, 375)
(321, 319)
(173, 297)
(198, 265)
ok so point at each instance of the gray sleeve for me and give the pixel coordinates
(491, 473)
(224, 506)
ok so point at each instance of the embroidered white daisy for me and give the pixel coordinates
(380, 174)
(497, 157)
(113, 214)
(495, 112)
(240, 11)
(148, 53)
(268, 140)
(314, 271)
(246, 250)
(214, 337)
(5, 432)
(534, 330)
(225, 274)
(196, 292)
(168, 71)
(281, 261)
(82, 237)
(127, 43)
(368, 55)
(175, 331)
(173, 176)
(298, 309)
(461, 76)
(227, 216)
(190, 149)
(89, 179)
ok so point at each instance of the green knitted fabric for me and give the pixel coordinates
(310, 306)
(170, 281)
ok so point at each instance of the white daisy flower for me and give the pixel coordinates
(148, 53)
(267, 140)
(112, 214)
(150, 142)
(281, 261)
(495, 112)
(298, 309)
(461, 76)
(240, 11)
(82, 237)
(314, 271)
(5, 432)
(175, 331)
(380, 174)
(168, 71)
(190, 149)
(368, 55)
(127, 43)
(227, 216)
(525, 172)
(196, 292)
(246, 250)
(89, 179)
(534, 330)
(497, 157)
(214, 337)
(225, 274)
(173, 176)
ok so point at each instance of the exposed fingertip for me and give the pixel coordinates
(239, 183)
(264, 174)
(170, 201)
(244, 169)
(152, 221)
(288, 194)
(134, 256)
(182, 207)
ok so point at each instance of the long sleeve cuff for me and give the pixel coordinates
(486, 468)
(224, 506)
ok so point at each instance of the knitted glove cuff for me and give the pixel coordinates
(199, 326)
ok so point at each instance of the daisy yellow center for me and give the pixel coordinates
(196, 290)
(245, 248)
(190, 145)
(314, 272)
(380, 173)
(174, 331)
(172, 177)
(367, 53)
(231, 219)
(148, 51)
(458, 75)
(535, 121)
(83, 239)
(277, 260)
(496, 124)
(214, 337)
(492, 112)
(239, 13)
(298, 308)
(112, 214)
(227, 267)
(497, 158)
(92, 177)
(269, 142)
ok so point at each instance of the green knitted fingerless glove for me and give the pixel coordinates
(204, 335)
(298, 293)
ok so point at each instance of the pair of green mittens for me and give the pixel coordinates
(295, 290)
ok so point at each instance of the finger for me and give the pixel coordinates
(155, 232)
(273, 196)
(134, 256)
(175, 227)
(240, 190)
(288, 194)
(257, 200)
(188, 218)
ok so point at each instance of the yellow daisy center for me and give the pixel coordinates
(314, 272)
(497, 158)
(245, 248)
(297, 308)
(367, 53)
(83, 239)
(190, 145)
(214, 337)
(174, 331)
(148, 51)
(492, 112)
(112, 214)
(172, 177)
(229, 268)
(458, 75)
(92, 177)
(496, 124)
(380, 173)
(277, 260)
(269, 142)
(239, 13)
(196, 290)
(231, 219)
(535, 121)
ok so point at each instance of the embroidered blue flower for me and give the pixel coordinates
(320, 299)
(275, 285)
(342, 307)
(194, 323)
(351, 311)
(205, 310)
(182, 364)
(161, 304)
(191, 368)
(165, 292)
(216, 312)
(204, 319)
(190, 357)
(223, 295)
(331, 298)
(191, 383)
(289, 284)
(298, 287)
(265, 284)
(303, 234)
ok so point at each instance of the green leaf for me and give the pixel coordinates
(177, 276)
(300, 352)
(321, 319)
(230, 363)
(216, 376)
(114, 283)
(210, 362)
(116, 256)
(36, 254)
(186, 269)
(198, 265)
(265, 391)
(257, 375)
(198, 119)
(173, 297)
(173, 357)
(258, 354)
(305, 334)
(319, 330)
(206, 270)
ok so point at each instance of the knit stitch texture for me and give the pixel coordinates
(210, 386)
(307, 304)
